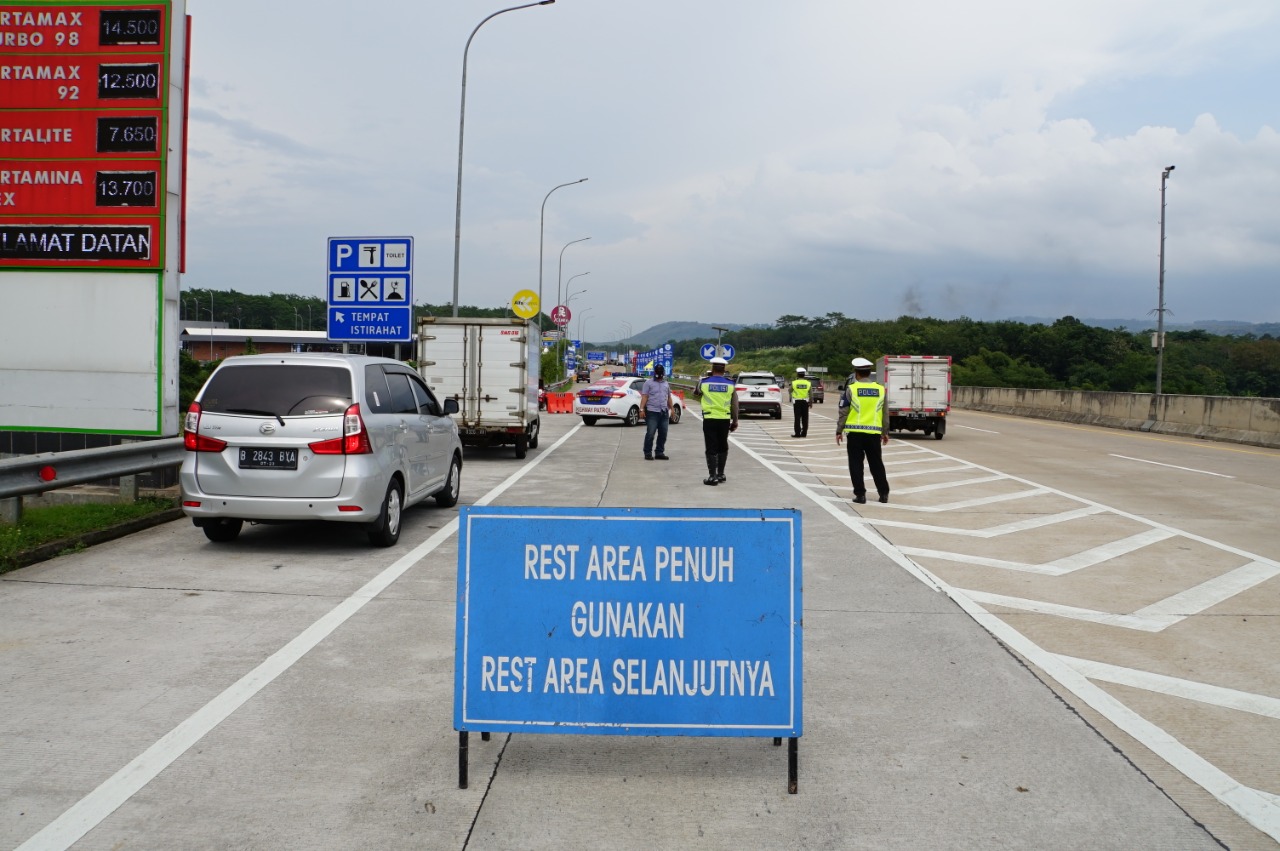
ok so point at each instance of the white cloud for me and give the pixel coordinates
(749, 159)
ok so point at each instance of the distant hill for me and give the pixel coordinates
(1233, 327)
(677, 331)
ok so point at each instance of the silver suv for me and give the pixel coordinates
(347, 438)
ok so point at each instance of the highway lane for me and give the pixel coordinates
(294, 689)
(1144, 566)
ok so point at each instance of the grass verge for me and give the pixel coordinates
(48, 532)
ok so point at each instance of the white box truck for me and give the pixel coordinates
(491, 366)
(917, 392)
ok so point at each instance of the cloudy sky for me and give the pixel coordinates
(748, 159)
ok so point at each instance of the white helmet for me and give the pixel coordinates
(720, 360)
(862, 363)
(800, 370)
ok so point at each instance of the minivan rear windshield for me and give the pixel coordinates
(288, 390)
(754, 380)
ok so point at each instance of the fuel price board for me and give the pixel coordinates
(83, 122)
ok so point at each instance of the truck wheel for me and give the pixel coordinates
(939, 430)
(533, 433)
(522, 446)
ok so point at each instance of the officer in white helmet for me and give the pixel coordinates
(719, 401)
(800, 388)
(864, 421)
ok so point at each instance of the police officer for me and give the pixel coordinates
(863, 420)
(800, 402)
(719, 417)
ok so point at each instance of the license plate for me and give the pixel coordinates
(755, 395)
(268, 459)
(592, 400)
(472, 432)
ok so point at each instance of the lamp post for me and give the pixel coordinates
(210, 332)
(542, 220)
(560, 273)
(568, 300)
(582, 322)
(297, 319)
(1164, 178)
(462, 116)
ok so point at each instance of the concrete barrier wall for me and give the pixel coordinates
(1230, 418)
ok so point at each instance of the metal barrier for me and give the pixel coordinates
(48, 471)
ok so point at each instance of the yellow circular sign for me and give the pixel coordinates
(525, 304)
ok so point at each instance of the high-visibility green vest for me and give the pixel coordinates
(717, 397)
(866, 408)
(800, 389)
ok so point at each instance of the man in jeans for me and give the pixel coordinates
(655, 398)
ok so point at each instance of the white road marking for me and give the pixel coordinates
(971, 428)
(1057, 567)
(1260, 809)
(993, 531)
(89, 811)
(1229, 698)
(1158, 616)
(1173, 466)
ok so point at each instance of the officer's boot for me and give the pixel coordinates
(720, 459)
(711, 470)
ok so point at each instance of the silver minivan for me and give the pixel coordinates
(316, 436)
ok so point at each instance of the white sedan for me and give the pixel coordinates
(616, 398)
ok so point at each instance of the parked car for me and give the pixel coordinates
(618, 399)
(759, 393)
(317, 436)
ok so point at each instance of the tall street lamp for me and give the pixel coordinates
(542, 219)
(560, 273)
(462, 116)
(582, 321)
(1164, 178)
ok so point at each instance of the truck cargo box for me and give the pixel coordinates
(917, 392)
(490, 366)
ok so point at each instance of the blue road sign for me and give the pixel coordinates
(629, 621)
(727, 351)
(370, 284)
(374, 324)
(708, 351)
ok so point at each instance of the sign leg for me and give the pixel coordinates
(793, 765)
(462, 759)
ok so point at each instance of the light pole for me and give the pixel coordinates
(210, 332)
(567, 301)
(1164, 178)
(560, 273)
(462, 117)
(542, 220)
(297, 319)
(582, 321)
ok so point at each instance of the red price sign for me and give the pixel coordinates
(560, 315)
(83, 94)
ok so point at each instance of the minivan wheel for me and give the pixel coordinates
(448, 497)
(222, 531)
(385, 531)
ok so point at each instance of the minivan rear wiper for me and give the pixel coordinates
(259, 413)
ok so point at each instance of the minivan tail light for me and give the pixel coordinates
(192, 439)
(354, 440)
